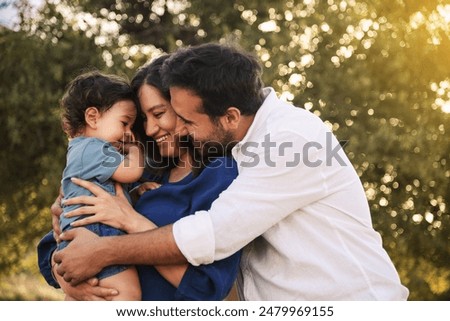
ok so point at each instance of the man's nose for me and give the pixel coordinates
(181, 128)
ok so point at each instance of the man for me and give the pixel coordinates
(297, 206)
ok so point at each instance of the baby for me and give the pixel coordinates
(98, 115)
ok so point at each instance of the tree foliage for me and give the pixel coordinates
(376, 71)
(35, 65)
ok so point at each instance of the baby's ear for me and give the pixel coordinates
(91, 115)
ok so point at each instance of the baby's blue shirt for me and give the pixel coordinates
(91, 159)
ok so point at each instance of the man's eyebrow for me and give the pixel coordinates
(184, 119)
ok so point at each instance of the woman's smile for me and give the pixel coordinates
(161, 138)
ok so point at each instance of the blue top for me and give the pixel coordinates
(91, 159)
(166, 205)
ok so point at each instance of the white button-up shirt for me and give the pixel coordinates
(299, 211)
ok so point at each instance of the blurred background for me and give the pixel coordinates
(378, 73)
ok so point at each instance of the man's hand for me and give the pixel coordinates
(81, 259)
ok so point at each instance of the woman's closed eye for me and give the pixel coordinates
(158, 115)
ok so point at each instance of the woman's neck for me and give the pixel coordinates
(183, 168)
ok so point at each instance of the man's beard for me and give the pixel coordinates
(220, 145)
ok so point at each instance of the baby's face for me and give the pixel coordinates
(116, 123)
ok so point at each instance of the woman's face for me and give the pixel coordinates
(160, 121)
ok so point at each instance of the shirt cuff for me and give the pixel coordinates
(194, 235)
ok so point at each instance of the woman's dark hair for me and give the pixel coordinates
(91, 89)
(150, 74)
(221, 75)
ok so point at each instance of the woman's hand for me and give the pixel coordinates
(108, 209)
(56, 211)
(89, 291)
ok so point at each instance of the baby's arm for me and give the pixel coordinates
(137, 192)
(132, 167)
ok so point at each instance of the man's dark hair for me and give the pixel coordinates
(221, 75)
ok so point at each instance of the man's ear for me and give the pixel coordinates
(91, 115)
(231, 118)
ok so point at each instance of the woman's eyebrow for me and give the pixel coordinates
(154, 107)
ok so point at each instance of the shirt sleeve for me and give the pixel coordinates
(212, 281)
(45, 249)
(100, 160)
(269, 187)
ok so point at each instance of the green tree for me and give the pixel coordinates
(35, 65)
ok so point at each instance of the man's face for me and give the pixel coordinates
(210, 135)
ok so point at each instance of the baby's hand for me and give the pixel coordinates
(124, 145)
(118, 146)
(141, 189)
(137, 192)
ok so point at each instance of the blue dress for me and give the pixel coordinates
(166, 205)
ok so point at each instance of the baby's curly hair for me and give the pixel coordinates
(91, 89)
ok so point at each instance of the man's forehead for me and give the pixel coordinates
(184, 92)
(185, 101)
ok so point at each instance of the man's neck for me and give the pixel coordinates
(244, 126)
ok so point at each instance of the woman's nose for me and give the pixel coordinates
(151, 128)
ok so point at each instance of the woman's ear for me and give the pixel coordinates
(91, 115)
(231, 118)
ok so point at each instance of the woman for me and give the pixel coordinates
(185, 183)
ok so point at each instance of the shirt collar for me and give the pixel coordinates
(270, 98)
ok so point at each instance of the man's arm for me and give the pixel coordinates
(269, 187)
(155, 247)
(101, 204)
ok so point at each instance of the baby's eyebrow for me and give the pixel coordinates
(129, 117)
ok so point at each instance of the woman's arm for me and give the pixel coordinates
(45, 250)
(47, 245)
(209, 281)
